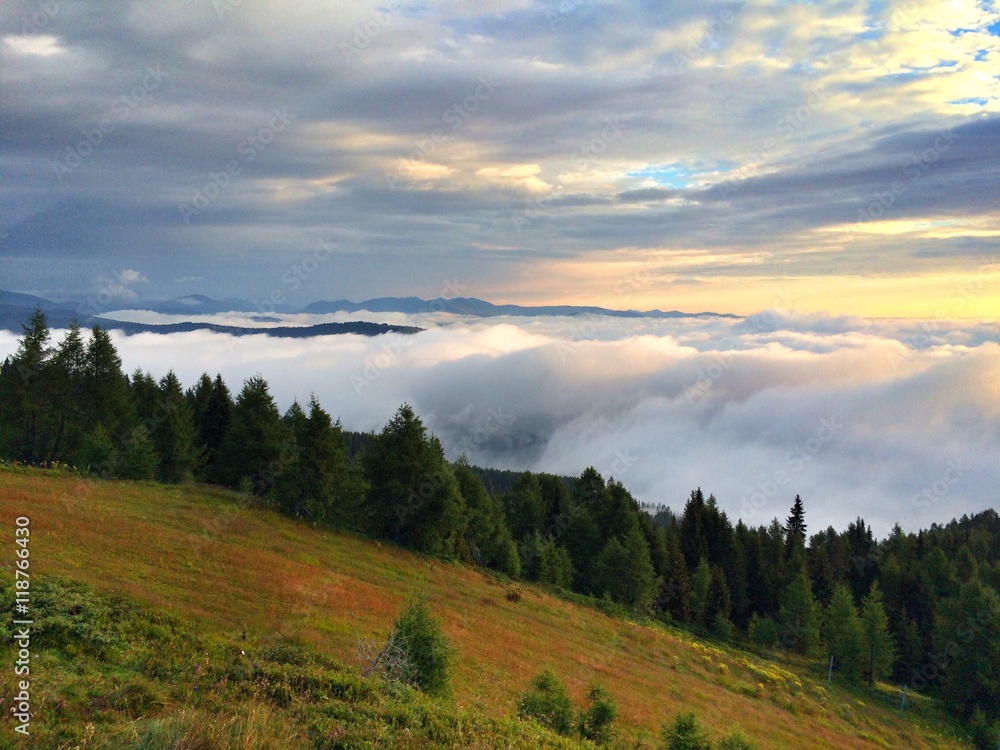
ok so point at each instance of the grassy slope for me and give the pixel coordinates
(198, 552)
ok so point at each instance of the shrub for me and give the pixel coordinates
(736, 740)
(428, 653)
(596, 721)
(685, 734)
(763, 631)
(548, 703)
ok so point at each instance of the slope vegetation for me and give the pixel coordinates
(234, 573)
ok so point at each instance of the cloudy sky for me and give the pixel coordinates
(737, 156)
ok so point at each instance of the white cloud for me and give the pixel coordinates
(860, 417)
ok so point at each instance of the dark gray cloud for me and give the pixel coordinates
(196, 138)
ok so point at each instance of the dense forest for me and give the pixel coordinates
(919, 608)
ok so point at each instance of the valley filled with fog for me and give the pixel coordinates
(893, 420)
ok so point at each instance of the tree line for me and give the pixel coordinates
(921, 608)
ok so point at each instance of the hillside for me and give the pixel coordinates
(204, 555)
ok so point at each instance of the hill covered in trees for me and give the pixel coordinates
(919, 608)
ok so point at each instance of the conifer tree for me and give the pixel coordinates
(214, 424)
(487, 536)
(106, 388)
(321, 482)
(28, 411)
(413, 497)
(525, 507)
(718, 603)
(173, 432)
(256, 443)
(877, 645)
(68, 367)
(674, 596)
(798, 615)
(795, 527)
(701, 579)
(842, 631)
(623, 571)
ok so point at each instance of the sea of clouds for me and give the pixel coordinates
(897, 421)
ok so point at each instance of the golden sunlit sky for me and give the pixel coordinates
(728, 156)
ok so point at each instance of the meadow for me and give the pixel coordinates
(230, 576)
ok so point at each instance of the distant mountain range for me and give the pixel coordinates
(16, 308)
(482, 309)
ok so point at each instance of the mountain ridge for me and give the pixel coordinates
(16, 308)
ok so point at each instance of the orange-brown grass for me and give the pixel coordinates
(203, 553)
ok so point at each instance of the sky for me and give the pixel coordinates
(838, 157)
(895, 421)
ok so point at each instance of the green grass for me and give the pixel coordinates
(192, 568)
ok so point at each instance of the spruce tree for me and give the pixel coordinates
(173, 431)
(701, 579)
(718, 603)
(28, 407)
(138, 458)
(68, 368)
(795, 527)
(623, 572)
(798, 615)
(106, 388)
(321, 482)
(254, 449)
(413, 497)
(842, 632)
(877, 645)
(968, 633)
(674, 596)
(213, 426)
(486, 536)
(525, 507)
(580, 536)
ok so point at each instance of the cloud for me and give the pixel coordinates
(860, 417)
(131, 276)
(779, 126)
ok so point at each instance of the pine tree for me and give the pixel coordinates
(106, 388)
(321, 482)
(877, 646)
(28, 409)
(413, 497)
(968, 636)
(68, 368)
(674, 597)
(718, 604)
(795, 527)
(138, 457)
(798, 615)
(701, 579)
(487, 536)
(842, 631)
(173, 432)
(255, 445)
(623, 571)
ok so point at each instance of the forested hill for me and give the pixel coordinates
(361, 328)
